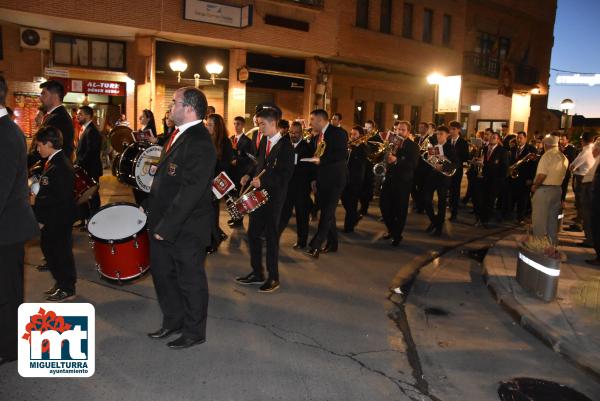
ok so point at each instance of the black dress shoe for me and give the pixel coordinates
(163, 333)
(4, 360)
(438, 231)
(210, 250)
(61, 295)
(430, 228)
(329, 249)
(250, 279)
(386, 236)
(235, 223)
(299, 245)
(223, 237)
(585, 244)
(396, 241)
(348, 230)
(42, 268)
(269, 286)
(51, 290)
(593, 262)
(185, 342)
(313, 252)
(452, 217)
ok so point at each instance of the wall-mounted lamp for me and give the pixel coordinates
(359, 108)
(178, 66)
(396, 116)
(475, 107)
(214, 68)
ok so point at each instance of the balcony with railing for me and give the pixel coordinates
(526, 75)
(481, 64)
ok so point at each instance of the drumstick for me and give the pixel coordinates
(249, 186)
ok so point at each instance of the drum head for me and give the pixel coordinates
(145, 167)
(117, 221)
(120, 137)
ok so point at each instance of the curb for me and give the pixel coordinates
(535, 326)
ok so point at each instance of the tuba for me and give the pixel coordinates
(439, 163)
(385, 148)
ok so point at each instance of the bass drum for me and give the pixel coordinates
(137, 165)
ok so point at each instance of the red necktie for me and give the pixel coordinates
(268, 147)
(258, 138)
(46, 164)
(173, 135)
(489, 153)
(234, 142)
(321, 137)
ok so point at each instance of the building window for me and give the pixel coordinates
(447, 30)
(86, 52)
(398, 113)
(407, 20)
(362, 13)
(385, 21)
(427, 25)
(415, 115)
(359, 112)
(378, 115)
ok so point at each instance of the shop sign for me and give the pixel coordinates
(219, 14)
(449, 94)
(92, 86)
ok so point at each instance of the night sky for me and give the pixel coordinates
(577, 49)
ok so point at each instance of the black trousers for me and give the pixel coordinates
(181, 286)
(436, 183)
(394, 206)
(455, 190)
(350, 197)
(519, 195)
(297, 199)
(477, 196)
(216, 232)
(419, 180)
(596, 220)
(139, 195)
(366, 192)
(491, 191)
(57, 246)
(265, 220)
(577, 191)
(329, 196)
(11, 296)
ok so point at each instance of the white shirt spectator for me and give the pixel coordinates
(584, 160)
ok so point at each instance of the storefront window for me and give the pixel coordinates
(84, 52)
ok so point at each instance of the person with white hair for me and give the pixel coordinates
(589, 190)
(546, 189)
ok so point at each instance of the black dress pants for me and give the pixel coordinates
(181, 286)
(329, 196)
(298, 200)
(11, 296)
(57, 246)
(436, 183)
(265, 220)
(394, 206)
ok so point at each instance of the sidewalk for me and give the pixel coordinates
(571, 323)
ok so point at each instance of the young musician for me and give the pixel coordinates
(272, 173)
(357, 166)
(55, 210)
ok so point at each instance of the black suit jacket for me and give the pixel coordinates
(407, 159)
(17, 222)
(278, 166)
(88, 151)
(494, 167)
(461, 148)
(304, 172)
(55, 202)
(61, 119)
(527, 169)
(179, 206)
(357, 167)
(224, 162)
(332, 166)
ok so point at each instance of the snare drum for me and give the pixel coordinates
(119, 238)
(137, 165)
(247, 203)
(85, 186)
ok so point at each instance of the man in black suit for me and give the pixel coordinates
(331, 179)
(181, 221)
(357, 165)
(55, 210)
(401, 165)
(438, 182)
(336, 121)
(57, 115)
(367, 191)
(273, 172)
(87, 156)
(298, 193)
(519, 187)
(241, 163)
(17, 225)
(570, 151)
(494, 175)
(461, 150)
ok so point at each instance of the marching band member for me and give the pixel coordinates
(220, 138)
(87, 156)
(57, 115)
(401, 162)
(240, 163)
(570, 152)
(331, 179)
(369, 182)
(422, 136)
(357, 164)
(180, 222)
(519, 186)
(461, 149)
(298, 193)
(336, 121)
(273, 172)
(56, 211)
(579, 167)
(494, 175)
(438, 182)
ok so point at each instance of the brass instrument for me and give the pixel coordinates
(439, 163)
(387, 147)
(363, 139)
(513, 169)
(307, 134)
(320, 149)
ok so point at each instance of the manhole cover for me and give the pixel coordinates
(529, 389)
(436, 311)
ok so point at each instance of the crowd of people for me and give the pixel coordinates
(304, 170)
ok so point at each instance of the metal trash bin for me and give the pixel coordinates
(538, 273)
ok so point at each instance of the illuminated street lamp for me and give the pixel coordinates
(565, 106)
(475, 107)
(178, 66)
(214, 68)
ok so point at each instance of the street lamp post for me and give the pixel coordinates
(566, 105)
(434, 79)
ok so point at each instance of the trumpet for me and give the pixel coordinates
(363, 139)
(307, 134)
(513, 169)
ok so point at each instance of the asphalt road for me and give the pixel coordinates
(332, 332)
